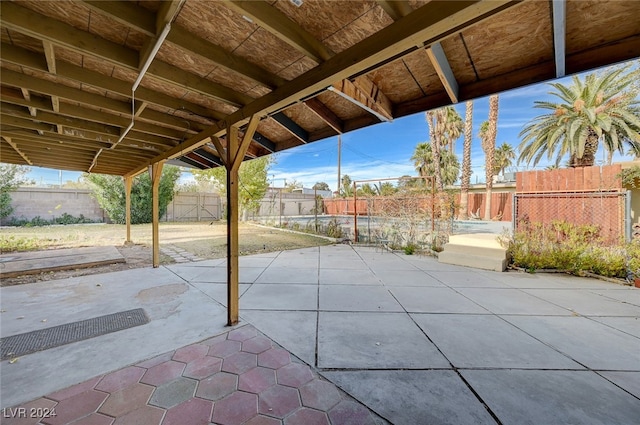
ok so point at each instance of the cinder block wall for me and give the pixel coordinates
(30, 202)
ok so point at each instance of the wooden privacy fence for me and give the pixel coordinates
(194, 206)
(580, 196)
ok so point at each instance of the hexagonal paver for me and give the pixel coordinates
(202, 367)
(147, 415)
(263, 420)
(120, 379)
(76, 407)
(294, 375)
(350, 412)
(127, 400)
(278, 401)
(239, 363)
(190, 353)
(307, 416)
(320, 395)
(256, 345)
(242, 334)
(224, 348)
(194, 411)
(163, 372)
(235, 409)
(94, 419)
(217, 386)
(257, 380)
(274, 358)
(173, 393)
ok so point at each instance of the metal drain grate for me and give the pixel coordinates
(43, 339)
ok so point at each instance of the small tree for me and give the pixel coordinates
(11, 176)
(110, 193)
(321, 186)
(253, 181)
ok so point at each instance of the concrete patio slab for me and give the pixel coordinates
(218, 291)
(348, 277)
(629, 381)
(604, 349)
(281, 297)
(275, 274)
(374, 340)
(627, 295)
(462, 278)
(407, 278)
(295, 330)
(357, 298)
(179, 315)
(511, 301)
(630, 325)
(219, 274)
(414, 397)
(435, 300)
(553, 397)
(586, 303)
(375, 355)
(473, 341)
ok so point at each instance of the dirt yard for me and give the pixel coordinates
(205, 240)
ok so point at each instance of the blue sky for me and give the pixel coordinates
(384, 150)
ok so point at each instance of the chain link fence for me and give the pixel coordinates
(608, 211)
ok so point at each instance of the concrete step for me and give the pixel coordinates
(479, 250)
(476, 250)
(474, 261)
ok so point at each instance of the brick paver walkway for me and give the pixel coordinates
(239, 377)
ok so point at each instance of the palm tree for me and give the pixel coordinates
(602, 107)
(466, 161)
(503, 158)
(488, 133)
(445, 126)
(425, 165)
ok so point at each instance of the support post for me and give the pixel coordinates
(156, 172)
(127, 195)
(236, 150)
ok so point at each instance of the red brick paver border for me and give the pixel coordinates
(239, 377)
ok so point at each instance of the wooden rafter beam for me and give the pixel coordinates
(326, 114)
(277, 23)
(430, 23)
(32, 60)
(363, 93)
(394, 8)
(137, 17)
(28, 22)
(441, 64)
(18, 151)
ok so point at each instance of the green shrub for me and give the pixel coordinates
(410, 249)
(573, 248)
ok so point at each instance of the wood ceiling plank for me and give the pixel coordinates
(277, 23)
(127, 13)
(38, 26)
(428, 24)
(395, 9)
(438, 58)
(32, 60)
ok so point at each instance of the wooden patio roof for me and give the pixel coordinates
(114, 86)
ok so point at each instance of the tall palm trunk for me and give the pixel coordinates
(466, 161)
(490, 151)
(435, 148)
(590, 149)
